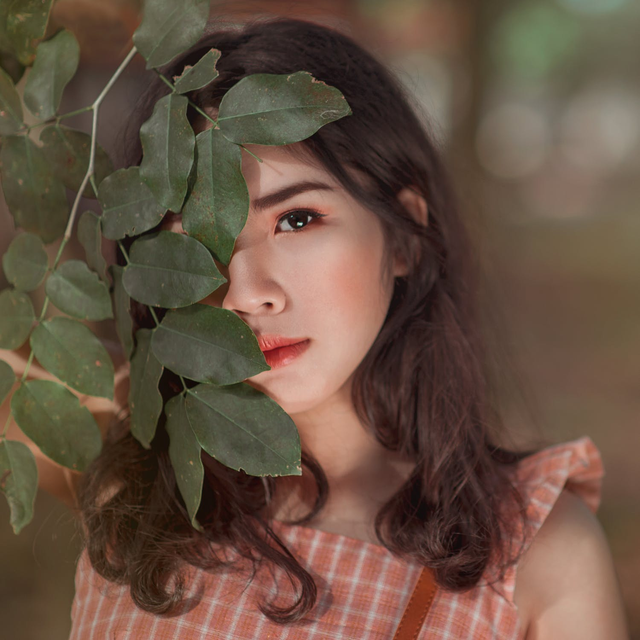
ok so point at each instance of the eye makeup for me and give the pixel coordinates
(171, 220)
(312, 214)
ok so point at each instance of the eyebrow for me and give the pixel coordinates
(288, 192)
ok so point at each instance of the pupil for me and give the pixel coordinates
(298, 217)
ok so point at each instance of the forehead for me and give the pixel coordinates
(278, 161)
(286, 164)
(280, 166)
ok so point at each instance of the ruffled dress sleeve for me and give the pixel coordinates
(574, 466)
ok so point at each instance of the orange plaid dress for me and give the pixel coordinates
(362, 587)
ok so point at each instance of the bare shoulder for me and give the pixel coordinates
(566, 580)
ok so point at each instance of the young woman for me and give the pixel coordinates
(354, 247)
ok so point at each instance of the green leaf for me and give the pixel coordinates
(52, 417)
(168, 28)
(36, 199)
(184, 453)
(10, 106)
(218, 205)
(79, 292)
(67, 349)
(168, 143)
(25, 263)
(277, 109)
(208, 344)
(170, 270)
(26, 24)
(145, 400)
(200, 75)
(90, 238)
(128, 206)
(121, 309)
(7, 380)
(18, 481)
(55, 64)
(68, 151)
(244, 429)
(16, 318)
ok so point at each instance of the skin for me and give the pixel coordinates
(326, 282)
(567, 587)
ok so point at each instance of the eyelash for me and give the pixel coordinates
(314, 215)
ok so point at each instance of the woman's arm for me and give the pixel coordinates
(569, 572)
(52, 477)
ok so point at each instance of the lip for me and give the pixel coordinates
(287, 351)
(270, 341)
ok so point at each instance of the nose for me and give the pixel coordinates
(252, 286)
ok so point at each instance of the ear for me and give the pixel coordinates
(416, 205)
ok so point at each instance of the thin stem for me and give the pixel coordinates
(43, 312)
(26, 368)
(6, 426)
(35, 126)
(151, 309)
(115, 76)
(92, 153)
(94, 186)
(203, 113)
(193, 104)
(45, 304)
(251, 154)
(154, 316)
(167, 82)
(56, 119)
(74, 113)
(184, 384)
(124, 251)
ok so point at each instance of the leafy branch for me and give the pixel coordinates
(213, 121)
(95, 106)
(210, 347)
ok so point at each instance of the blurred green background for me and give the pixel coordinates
(536, 105)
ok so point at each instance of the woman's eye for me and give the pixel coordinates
(299, 219)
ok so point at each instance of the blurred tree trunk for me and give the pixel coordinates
(469, 94)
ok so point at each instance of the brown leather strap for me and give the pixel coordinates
(417, 607)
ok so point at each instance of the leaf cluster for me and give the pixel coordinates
(211, 349)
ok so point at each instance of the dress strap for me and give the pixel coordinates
(417, 607)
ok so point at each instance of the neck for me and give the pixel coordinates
(362, 474)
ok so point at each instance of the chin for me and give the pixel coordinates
(291, 400)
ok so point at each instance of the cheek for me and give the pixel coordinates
(344, 285)
(336, 297)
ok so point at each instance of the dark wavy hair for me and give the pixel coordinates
(424, 388)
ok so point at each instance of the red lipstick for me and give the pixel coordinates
(279, 351)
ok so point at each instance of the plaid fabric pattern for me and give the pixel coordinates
(362, 588)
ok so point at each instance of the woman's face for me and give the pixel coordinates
(323, 282)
